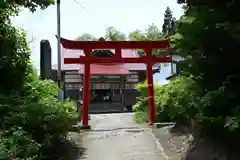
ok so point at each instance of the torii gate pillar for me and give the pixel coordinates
(151, 103)
(86, 92)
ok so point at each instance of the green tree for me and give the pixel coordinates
(151, 33)
(32, 119)
(86, 37)
(15, 53)
(154, 33)
(137, 35)
(208, 37)
(9, 7)
(169, 23)
(114, 34)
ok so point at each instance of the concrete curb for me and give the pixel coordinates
(158, 143)
(160, 125)
(160, 147)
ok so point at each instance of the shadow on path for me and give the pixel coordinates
(66, 149)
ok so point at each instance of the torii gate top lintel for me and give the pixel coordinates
(88, 46)
(160, 44)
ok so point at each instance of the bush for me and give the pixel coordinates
(182, 100)
(175, 101)
(178, 99)
(31, 116)
(219, 109)
(17, 144)
(30, 124)
(141, 111)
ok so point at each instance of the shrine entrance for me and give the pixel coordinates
(89, 47)
(101, 95)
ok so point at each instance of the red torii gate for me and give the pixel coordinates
(148, 59)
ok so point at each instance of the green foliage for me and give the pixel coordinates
(14, 51)
(17, 144)
(30, 124)
(86, 37)
(137, 35)
(141, 107)
(182, 100)
(14, 6)
(31, 116)
(169, 23)
(208, 38)
(113, 34)
(14, 57)
(175, 101)
(151, 33)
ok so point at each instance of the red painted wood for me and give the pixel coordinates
(86, 91)
(118, 53)
(144, 59)
(87, 46)
(151, 102)
(69, 44)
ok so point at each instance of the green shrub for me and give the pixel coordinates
(141, 110)
(35, 120)
(31, 116)
(182, 100)
(176, 101)
(16, 144)
(219, 110)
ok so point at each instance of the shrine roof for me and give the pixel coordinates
(124, 68)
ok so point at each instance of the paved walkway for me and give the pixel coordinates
(117, 137)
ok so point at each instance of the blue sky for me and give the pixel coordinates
(126, 15)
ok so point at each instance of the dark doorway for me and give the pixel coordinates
(105, 101)
(101, 95)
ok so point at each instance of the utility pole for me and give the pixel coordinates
(59, 73)
(59, 43)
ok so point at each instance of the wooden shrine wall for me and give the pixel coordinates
(74, 81)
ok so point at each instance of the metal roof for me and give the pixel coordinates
(125, 68)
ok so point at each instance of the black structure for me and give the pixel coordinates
(45, 60)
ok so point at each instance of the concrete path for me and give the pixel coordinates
(117, 137)
(107, 107)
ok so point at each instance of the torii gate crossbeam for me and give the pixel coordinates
(87, 60)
